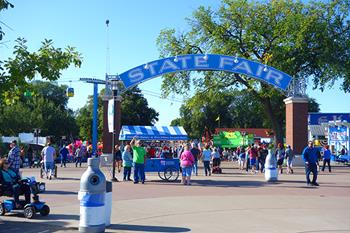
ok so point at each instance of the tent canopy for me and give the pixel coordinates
(153, 132)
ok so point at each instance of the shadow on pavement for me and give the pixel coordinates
(33, 227)
(67, 178)
(226, 183)
(62, 217)
(60, 192)
(147, 228)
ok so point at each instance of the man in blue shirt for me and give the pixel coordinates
(64, 154)
(310, 157)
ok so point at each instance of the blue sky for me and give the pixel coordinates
(134, 28)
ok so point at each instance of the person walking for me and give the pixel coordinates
(30, 155)
(253, 156)
(263, 152)
(326, 158)
(63, 155)
(186, 163)
(279, 153)
(48, 155)
(289, 158)
(196, 154)
(310, 158)
(206, 158)
(118, 157)
(78, 156)
(14, 157)
(127, 162)
(139, 154)
(241, 158)
(247, 158)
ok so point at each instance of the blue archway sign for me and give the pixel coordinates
(199, 62)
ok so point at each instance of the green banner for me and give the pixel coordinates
(232, 139)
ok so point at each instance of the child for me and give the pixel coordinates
(241, 159)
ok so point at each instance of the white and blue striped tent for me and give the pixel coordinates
(153, 132)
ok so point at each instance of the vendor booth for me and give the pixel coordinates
(167, 168)
(149, 133)
(232, 139)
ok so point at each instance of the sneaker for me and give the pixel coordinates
(143, 182)
(136, 182)
(315, 184)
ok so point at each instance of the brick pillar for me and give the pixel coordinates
(106, 135)
(296, 123)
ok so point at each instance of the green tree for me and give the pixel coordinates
(302, 39)
(236, 109)
(47, 62)
(46, 109)
(134, 108)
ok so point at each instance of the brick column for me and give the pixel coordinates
(106, 135)
(296, 123)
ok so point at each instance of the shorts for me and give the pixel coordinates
(252, 161)
(280, 162)
(49, 166)
(186, 171)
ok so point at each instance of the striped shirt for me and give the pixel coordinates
(14, 158)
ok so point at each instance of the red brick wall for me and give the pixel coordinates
(296, 123)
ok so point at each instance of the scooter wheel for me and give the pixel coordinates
(2, 209)
(29, 212)
(45, 210)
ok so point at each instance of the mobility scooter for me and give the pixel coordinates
(28, 209)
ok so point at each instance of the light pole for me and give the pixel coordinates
(114, 83)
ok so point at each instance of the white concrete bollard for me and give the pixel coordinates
(108, 203)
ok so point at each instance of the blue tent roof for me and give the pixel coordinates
(153, 132)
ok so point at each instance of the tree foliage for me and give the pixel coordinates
(47, 62)
(236, 109)
(46, 109)
(134, 108)
(309, 40)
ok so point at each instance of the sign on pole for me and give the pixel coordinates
(111, 115)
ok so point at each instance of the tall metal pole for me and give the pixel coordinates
(94, 121)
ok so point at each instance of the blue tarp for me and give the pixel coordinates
(153, 132)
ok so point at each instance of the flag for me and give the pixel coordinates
(218, 118)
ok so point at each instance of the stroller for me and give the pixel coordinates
(29, 209)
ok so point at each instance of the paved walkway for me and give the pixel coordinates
(230, 202)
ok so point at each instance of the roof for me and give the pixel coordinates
(127, 132)
(317, 130)
(257, 132)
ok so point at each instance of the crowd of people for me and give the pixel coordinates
(130, 155)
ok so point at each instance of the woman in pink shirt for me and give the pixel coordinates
(186, 162)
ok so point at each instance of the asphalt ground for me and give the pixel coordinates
(230, 202)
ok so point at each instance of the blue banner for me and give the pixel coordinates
(201, 62)
(338, 133)
(319, 118)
